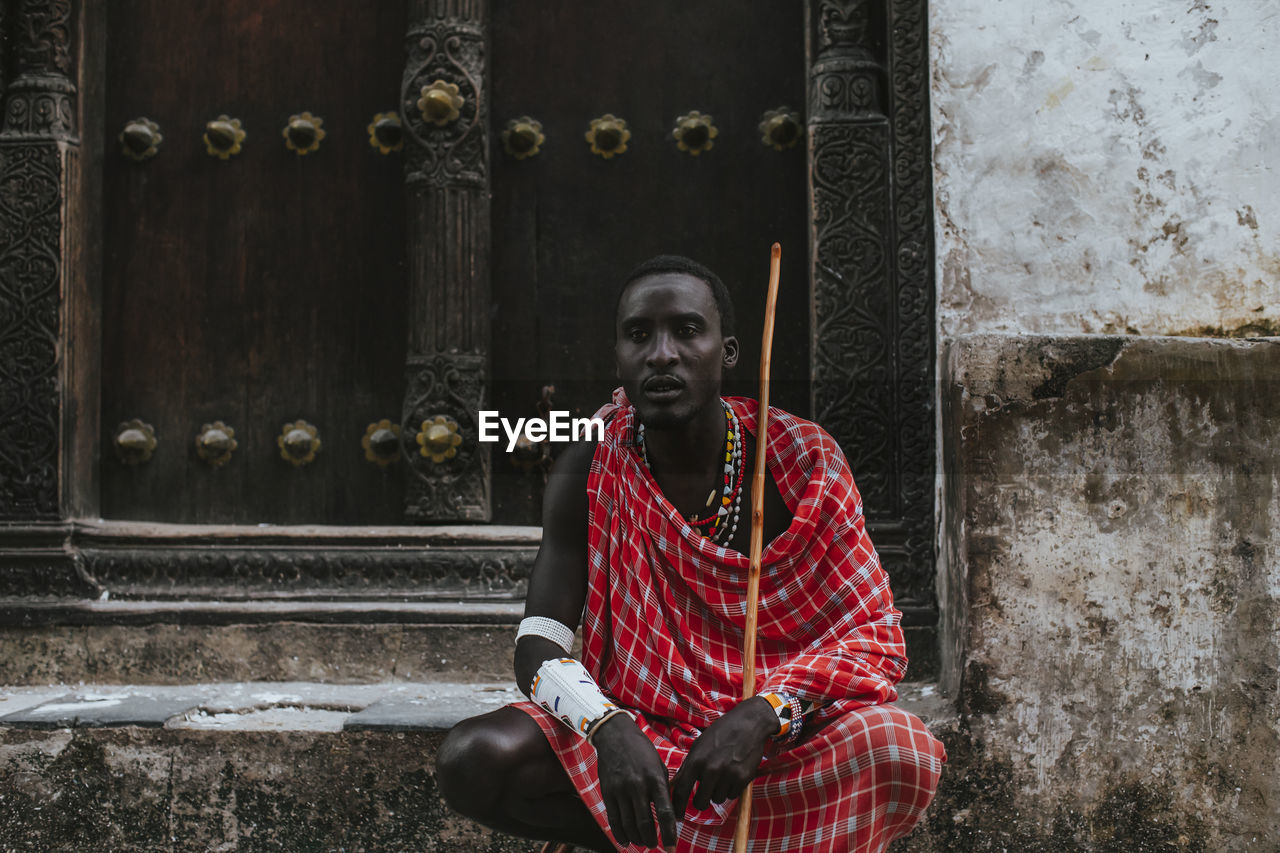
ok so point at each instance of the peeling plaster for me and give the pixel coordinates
(1105, 167)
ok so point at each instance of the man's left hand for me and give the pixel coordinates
(725, 757)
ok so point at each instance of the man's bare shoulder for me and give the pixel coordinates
(574, 462)
(558, 583)
(565, 498)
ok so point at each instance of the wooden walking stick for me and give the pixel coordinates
(757, 528)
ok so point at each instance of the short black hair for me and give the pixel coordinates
(665, 264)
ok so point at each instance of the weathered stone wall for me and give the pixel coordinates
(132, 789)
(1112, 551)
(1110, 586)
(1106, 166)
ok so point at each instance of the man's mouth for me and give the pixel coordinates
(662, 387)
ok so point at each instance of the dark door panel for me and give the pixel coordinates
(262, 289)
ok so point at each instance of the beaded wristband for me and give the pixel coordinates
(783, 711)
(790, 711)
(550, 629)
(792, 734)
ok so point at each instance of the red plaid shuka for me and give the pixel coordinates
(663, 630)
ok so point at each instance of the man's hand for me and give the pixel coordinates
(632, 778)
(725, 757)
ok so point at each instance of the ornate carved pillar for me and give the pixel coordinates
(48, 417)
(871, 272)
(444, 100)
(38, 179)
(915, 347)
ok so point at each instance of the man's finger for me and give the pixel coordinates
(614, 816)
(723, 790)
(642, 817)
(666, 817)
(702, 796)
(680, 792)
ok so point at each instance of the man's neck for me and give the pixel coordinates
(688, 453)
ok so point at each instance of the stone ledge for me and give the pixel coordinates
(246, 790)
(255, 706)
(298, 706)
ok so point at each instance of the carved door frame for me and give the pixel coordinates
(872, 298)
(872, 273)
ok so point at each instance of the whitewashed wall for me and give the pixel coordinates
(1110, 564)
(1107, 165)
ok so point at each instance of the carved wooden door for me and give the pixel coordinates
(249, 292)
(254, 281)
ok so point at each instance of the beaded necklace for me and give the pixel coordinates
(718, 526)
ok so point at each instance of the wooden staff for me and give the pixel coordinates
(757, 529)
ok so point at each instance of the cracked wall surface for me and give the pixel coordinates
(1113, 573)
(1106, 166)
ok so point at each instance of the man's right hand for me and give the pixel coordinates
(632, 778)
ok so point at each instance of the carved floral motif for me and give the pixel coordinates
(447, 54)
(913, 215)
(370, 573)
(456, 487)
(38, 575)
(843, 24)
(444, 103)
(40, 107)
(30, 272)
(43, 36)
(853, 338)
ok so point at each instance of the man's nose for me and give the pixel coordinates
(663, 351)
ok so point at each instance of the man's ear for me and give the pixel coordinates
(730, 347)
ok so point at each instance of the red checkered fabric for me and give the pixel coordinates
(663, 636)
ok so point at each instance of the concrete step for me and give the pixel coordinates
(177, 642)
(248, 766)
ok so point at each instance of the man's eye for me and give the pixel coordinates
(688, 330)
(637, 334)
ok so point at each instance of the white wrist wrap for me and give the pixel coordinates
(565, 688)
(551, 629)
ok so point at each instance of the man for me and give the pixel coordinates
(646, 741)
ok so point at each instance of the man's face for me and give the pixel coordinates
(669, 349)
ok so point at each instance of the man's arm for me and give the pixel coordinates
(558, 583)
(632, 778)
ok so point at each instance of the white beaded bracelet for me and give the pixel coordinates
(565, 688)
(550, 629)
